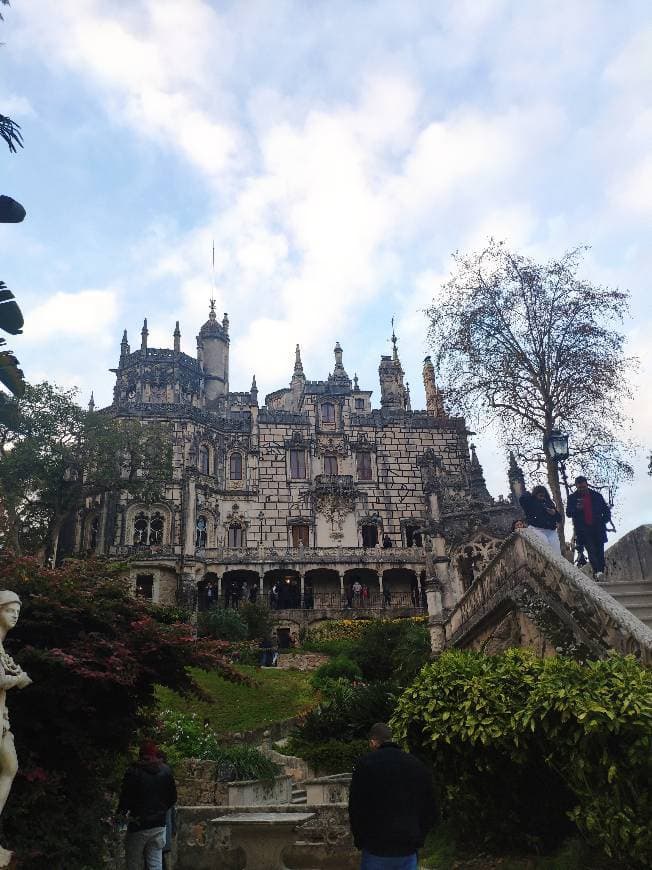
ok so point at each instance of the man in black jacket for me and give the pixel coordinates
(148, 792)
(391, 804)
(590, 514)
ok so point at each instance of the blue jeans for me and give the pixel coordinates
(146, 844)
(377, 862)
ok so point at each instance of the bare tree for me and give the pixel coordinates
(532, 347)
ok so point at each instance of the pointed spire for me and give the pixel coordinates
(144, 332)
(225, 323)
(124, 346)
(434, 396)
(477, 482)
(394, 344)
(475, 462)
(91, 403)
(211, 309)
(298, 365)
(516, 478)
(254, 391)
(339, 375)
(177, 338)
(408, 403)
(355, 381)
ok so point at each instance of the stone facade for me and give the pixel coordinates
(296, 494)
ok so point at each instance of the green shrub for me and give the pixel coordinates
(258, 620)
(339, 668)
(332, 756)
(521, 745)
(348, 714)
(223, 624)
(329, 647)
(392, 650)
(183, 735)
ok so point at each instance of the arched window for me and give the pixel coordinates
(413, 537)
(330, 464)
(201, 533)
(235, 466)
(235, 536)
(94, 532)
(148, 529)
(328, 412)
(203, 459)
(369, 535)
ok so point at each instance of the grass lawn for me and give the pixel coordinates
(441, 853)
(276, 695)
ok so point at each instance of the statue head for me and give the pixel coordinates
(9, 609)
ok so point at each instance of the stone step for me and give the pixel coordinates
(636, 597)
(626, 586)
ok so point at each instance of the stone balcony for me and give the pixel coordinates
(313, 555)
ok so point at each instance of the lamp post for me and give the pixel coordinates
(555, 446)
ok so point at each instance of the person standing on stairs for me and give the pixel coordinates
(590, 514)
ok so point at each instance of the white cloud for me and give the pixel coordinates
(87, 315)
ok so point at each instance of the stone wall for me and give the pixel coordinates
(323, 842)
(198, 785)
(630, 558)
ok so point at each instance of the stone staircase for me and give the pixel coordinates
(299, 794)
(629, 572)
(635, 595)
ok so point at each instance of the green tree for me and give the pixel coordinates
(95, 655)
(532, 347)
(11, 319)
(54, 455)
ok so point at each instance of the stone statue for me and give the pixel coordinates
(11, 675)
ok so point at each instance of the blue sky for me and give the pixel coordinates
(338, 153)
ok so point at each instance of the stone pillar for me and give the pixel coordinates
(440, 562)
(435, 616)
(191, 519)
(302, 583)
(341, 576)
(219, 588)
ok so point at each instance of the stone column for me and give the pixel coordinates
(219, 588)
(341, 576)
(302, 584)
(191, 519)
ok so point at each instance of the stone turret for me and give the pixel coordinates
(393, 395)
(91, 403)
(339, 375)
(254, 391)
(124, 347)
(516, 479)
(434, 397)
(213, 355)
(177, 338)
(144, 332)
(477, 483)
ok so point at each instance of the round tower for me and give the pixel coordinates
(213, 355)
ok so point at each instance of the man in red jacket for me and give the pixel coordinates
(590, 514)
(392, 804)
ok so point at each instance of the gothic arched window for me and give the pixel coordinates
(235, 466)
(235, 536)
(330, 464)
(328, 412)
(148, 528)
(202, 529)
(203, 459)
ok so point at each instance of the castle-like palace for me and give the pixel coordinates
(311, 494)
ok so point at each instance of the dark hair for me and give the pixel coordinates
(537, 490)
(380, 732)
(518, 520)
(580, 479)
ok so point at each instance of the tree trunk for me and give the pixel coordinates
(553, 482)
(50, 540)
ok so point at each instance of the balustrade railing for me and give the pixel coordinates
(291, 600)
